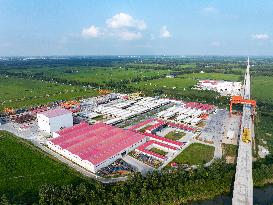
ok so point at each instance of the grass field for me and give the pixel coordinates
(195, 154)
(262, 88)
(24, 169)
(167, 83)
(158, 151)
(183, 82)
(175, 135)
(230, 150)
(16, 92)
(212, 76)
(99, 75)
(180, 87)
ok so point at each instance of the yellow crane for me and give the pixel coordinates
(246, 135)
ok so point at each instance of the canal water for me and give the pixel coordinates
(261, 196)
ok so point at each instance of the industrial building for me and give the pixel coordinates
(145, 149)
(54, 120)
(95, 146)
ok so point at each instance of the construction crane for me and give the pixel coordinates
(241, 100)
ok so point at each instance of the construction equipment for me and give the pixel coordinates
(70, 104)
(241, 100)
(9, 110)
(73, 106)
(104, 92)
(246, 135)
(133, 96)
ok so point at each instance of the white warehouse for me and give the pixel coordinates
(54, 120)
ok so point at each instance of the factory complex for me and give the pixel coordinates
(124, 133)
(109, 127)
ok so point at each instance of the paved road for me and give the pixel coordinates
(243, 185)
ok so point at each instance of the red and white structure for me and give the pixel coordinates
(54, 120)
(145, 149)
(95, 146)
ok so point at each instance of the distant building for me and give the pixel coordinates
(173, 74)
(170, 76)
(54, 120)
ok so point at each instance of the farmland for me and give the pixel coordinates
(202, 154)
(180, 87)
(24, 169)
(15, 92)
(262, 88)
(167, 83)
(184, 82)
(99, 75)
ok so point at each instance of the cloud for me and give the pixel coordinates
(215, 44)
(129, 35)
(121, 26)
(164, 33)
(210, 10)
(124, 20)
(91, 32)
(260, 36)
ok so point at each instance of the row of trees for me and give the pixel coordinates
(156, 188)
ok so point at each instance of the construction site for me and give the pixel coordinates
(146, 133)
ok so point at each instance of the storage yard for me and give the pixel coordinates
(115, 135)
(224, 88)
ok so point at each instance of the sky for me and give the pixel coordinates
(136, 27)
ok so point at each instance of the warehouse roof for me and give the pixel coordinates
(55, 112)
(96, 143)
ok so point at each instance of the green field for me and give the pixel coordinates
(158, 151)
(175, 135)
(212, 76)
(183, 82)
(180, 87)
(262, 88)
(230, 150)
(177, 84)
(195, 154)
(100, 75)
(24, 169)
(15, 92)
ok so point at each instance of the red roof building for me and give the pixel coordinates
(145, 149)
(95, 146)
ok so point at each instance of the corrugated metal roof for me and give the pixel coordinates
(96, 143)
(55, 112)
